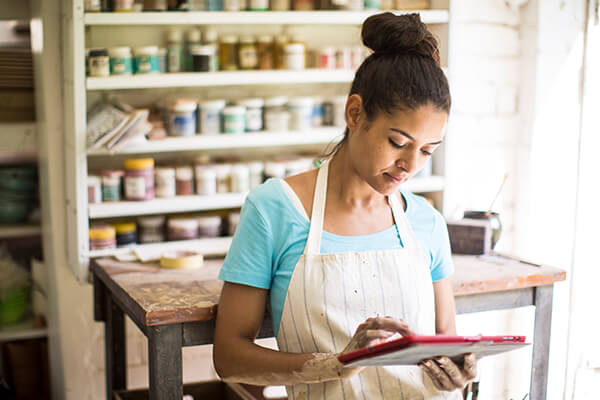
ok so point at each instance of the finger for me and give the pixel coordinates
(427, 370)
(391, 324)
(377, 334)
(452, 371)
(470, 366)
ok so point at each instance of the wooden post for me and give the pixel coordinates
(541, 342)
(165, 362)
(114, 332)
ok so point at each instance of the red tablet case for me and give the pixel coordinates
(410, 350)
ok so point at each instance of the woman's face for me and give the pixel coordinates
(388, 150)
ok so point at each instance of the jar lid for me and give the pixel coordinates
(206, 50)
(277, 101)
(93, 180)
(139, 163)
(184, 106)
(194, 35)
(209, 221)
(210, 35)
(98, 53)
(154, 221)
(247, 39)
(123, 228)
(175, 35)
(229, 39)
(212, 104)
(265, 39)
(146, 51)
(184, 173)
(301, 102)
(121, 51)
(183, 223)
(294, 48)
(233, 110)
(107, 173)
(256, 167)
(165, 172)
(102, 232)
(252, 103)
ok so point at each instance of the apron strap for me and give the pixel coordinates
(313, 244)
(404, 229)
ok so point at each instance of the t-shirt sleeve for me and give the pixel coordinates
(249, 259)
(441, 254)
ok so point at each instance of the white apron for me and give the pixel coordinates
(331, 294)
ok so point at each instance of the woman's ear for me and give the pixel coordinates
(354, 112)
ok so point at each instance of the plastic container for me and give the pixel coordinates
(203, 58)
(112, 185)
(165, 182)
(214, 5)
(123, 5)
(151, 229)
(193, 40)
(163, 60)
(175, 51)
(126, 234)
(211, 39)
(301, 112)
(234, 119)
(276, 116)
(240, 178)
(146, 60)
(254, 114)
(233, 220)
(98, 63)
(210, 226)
(94, 185)
(210, 117)
(326, 58)
(223, 175)
(264, 52)
(184, 177)
(372, 4)
(102, 237)
(182, 118)
(182, 228)
(206, 180)
(139, 179)
(228, 60)
(256, 170)
(121, 61)
(247, 53)
(294, 56)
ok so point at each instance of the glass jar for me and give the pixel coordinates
(247, 53)
(139, 179)
(228, 53)
(203, 58)
(264, 50)
(281, 5)
(98, 62)
(278, 51)
(123, 5)
(303, 5)
(165, 182)
(184, 180)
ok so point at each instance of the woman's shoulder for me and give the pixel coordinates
(420, 213)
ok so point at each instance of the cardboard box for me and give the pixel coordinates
(470, 236)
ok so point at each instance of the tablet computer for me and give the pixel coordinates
(412, 349)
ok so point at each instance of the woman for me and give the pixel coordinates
(370, 262)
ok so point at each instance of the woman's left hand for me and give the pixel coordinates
(447, 375)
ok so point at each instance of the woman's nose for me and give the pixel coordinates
(408, 162)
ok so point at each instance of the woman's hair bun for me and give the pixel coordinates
(399, 34)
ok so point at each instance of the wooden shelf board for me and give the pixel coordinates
(22, 230)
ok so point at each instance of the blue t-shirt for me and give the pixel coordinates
(272, 233)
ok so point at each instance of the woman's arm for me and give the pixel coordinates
(445, 309)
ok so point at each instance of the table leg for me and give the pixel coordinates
(114, 337)
(541, 342)
(165, 362)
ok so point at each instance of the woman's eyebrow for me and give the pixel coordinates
(400, 131)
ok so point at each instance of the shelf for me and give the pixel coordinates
(224, 141)
(24, 230)
(19, 143)
(251, 17)
(208, 247)
(424, 185)
(21, 331)
(220, 78)
(176, 204)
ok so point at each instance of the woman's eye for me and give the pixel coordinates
(427, 153)
(396, 145)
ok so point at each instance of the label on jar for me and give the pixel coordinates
(99, 66)
(110, 193)
(184, 125)
(254, 121)
(234, 124)
(135, 187)
(174, 54)
(248, 57)
(210, 122)
(165, 186)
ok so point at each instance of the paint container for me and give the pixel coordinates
(184, 177)
(210, 117)
(339, 110)
(294, 57)
(94, 186)
(99, 63)
(175, 50)
(256, 170)
(264, 50)
(274, 169)
(126, 234)
(234, 119)
(326, 58)
(203, 58)
(163, 60)
(254, 114)
(206, 180)
(240, 178)
(193, 40)
(223, 172)
(210, 226)
(214, 5)
(233, 220)
(151, 229)
(139, 179)
(146, 60)
(343, 58)
(123, 5)
(112, 185)
(228, 53)
(372, 4)
(121, 61)
(301, 112)
(276, 115)
(102, 237)
(165, 182)
(182, 118)
(182, 228)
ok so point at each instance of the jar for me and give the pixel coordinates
(146, 60)
(126, 234)
(223, 175)
(214, 5)
(87, 62)
(211, 39)
(182, 228)
(99, 63)
(343, 58)
(163, 60)
(139, 179)
(264, 51)
(209, 226)
(92, 6)
(276, 115)
(111, 185)
(247, 53)
(209, 117)
(193, 40)
(240, 178)
(274, 169)
(281, 5)
(184, 180)
(165, 182)
(206, 180)
(234, 119)
(94, 185)
(102, 237)
(357, 56)
(328, 113)
(123, 5)
(259, 5)
(155, 5)
(231, 5)
(326, 58)
(255, 171)
(294, 56)
(182, 118)
(228, 53)
(339, 111)
(175, 50)
(304, 5)
(301, 111)
(121, 61)
(317, 114)
(372, 4)
(151, 229)
(233, 220)
(279, 51)
(203, 58)
(254, 114)
(354, 5)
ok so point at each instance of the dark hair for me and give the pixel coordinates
(403, 72)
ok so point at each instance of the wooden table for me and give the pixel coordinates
(177, 308)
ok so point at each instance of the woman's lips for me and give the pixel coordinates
(395, 179)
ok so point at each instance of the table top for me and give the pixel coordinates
(159, 296)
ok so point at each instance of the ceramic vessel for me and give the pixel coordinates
(494, 219)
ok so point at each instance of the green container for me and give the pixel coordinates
(14, 212)
(13, 305)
